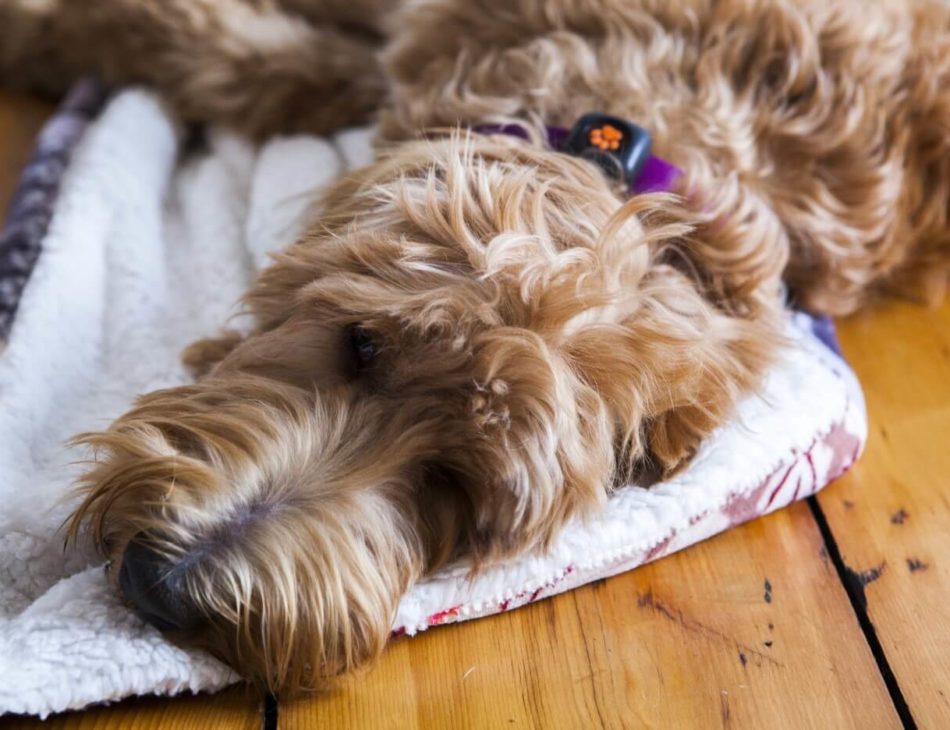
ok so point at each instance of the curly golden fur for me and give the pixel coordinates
(480, 337)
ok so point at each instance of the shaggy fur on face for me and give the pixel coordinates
(480, 337)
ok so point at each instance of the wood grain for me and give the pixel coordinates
(695, 640)
(891, 516)
(233, 709)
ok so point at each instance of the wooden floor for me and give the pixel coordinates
(829, 614)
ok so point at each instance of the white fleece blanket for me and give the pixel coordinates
(147, 252)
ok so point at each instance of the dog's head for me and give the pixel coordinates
(477, 339)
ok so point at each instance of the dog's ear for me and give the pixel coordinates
(690, 329)
(202, 356)
(672, 371)
(538, 448)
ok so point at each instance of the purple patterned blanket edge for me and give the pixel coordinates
(34, 199)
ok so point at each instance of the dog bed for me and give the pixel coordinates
(148, 247)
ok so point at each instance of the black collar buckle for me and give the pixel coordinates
(620, 147)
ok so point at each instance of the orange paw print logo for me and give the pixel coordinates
(607, 137)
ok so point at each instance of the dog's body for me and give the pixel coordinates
(481, 336)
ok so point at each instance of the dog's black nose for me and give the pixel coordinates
(153, 587)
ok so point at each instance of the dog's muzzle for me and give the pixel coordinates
(155, 589)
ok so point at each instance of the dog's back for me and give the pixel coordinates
(261, 67)
(821, 127)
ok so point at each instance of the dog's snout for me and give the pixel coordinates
(149, 582)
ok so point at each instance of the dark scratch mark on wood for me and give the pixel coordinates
(647, 600)
(870, 575)
(768, 643)
(767, 595)
(724, 708)
(858, 581)
(742, 659)
(590, 663)
(898, 517)
(884, 434)
(848, 504)
(913, 564)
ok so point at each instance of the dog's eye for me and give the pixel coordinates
(362, 345)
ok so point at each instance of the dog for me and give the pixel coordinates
(481, 336)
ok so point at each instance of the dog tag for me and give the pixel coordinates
(620, 147)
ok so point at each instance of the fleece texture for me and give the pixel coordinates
(150, 247)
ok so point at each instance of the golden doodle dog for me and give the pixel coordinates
(481, 335)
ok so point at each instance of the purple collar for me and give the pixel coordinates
(627, 155)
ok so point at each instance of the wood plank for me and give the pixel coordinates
(20, 119)
(237, 708)
(891, 516)
(695, 640)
